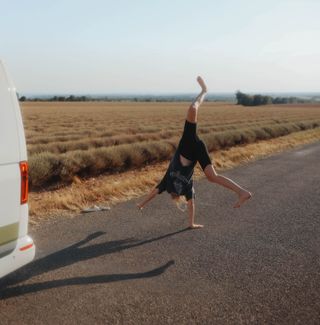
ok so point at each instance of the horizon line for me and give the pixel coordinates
(162, 93)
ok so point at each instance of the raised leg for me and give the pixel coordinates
(226, 182)
(192, 113)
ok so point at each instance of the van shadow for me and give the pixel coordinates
(9, 286)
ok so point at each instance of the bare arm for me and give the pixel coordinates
(191, 210)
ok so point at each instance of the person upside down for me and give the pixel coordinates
(177, 180)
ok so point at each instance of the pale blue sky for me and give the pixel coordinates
(152, 46)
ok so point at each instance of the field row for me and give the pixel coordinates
(72, 143)
(47, 168)
(85, 139)
(47, 119)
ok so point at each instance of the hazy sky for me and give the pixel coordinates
(152, 46)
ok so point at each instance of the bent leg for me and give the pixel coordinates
(226, 182)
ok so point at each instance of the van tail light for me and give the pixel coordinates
(24, 248)
(24, 181)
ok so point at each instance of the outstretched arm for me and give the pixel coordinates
(191, 210)
(149, 197)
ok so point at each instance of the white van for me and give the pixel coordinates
(16, 247)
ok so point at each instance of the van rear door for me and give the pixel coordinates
(10, 156)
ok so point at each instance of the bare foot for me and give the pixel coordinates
(139, 206)
(194, 226)
(243, 196)
(202, 84)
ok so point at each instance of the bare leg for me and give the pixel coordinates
(213, 177)
(192, 113)
(149, 197)
(191, 210)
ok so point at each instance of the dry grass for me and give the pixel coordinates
(87, 139)
(112, 189)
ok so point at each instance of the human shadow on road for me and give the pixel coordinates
(34, 287)
(73, 254)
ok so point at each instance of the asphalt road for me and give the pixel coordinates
(256, 265)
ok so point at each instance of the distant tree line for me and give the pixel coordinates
(257, 100)
(70, 98)
(241, 98)
(115, 98)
